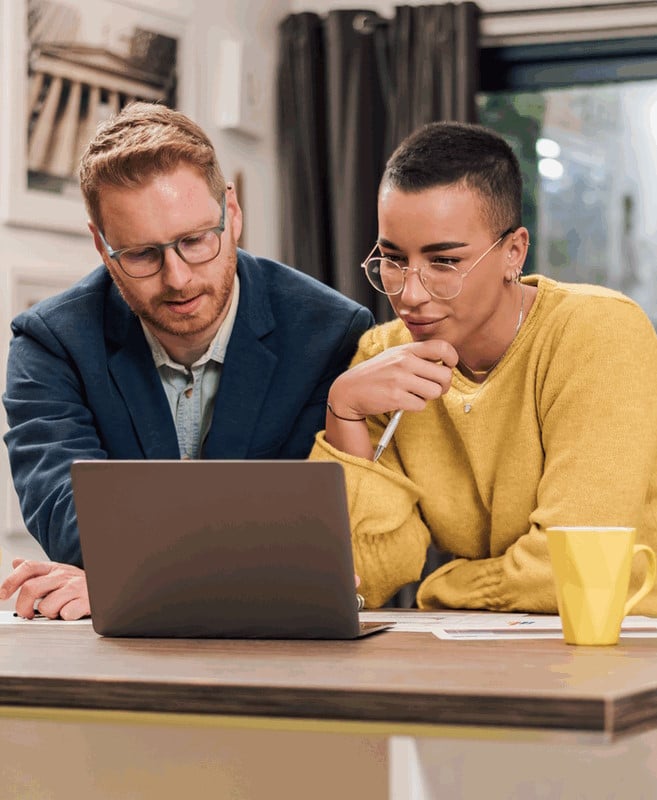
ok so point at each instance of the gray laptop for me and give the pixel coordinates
(235, 549)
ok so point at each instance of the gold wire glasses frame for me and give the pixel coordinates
(442, 280)
(197, 247)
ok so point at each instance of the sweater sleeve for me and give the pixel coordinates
(389, 538)
(596, 399)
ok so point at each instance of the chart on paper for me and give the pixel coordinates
(479, 625)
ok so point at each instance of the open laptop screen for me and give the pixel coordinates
(217, 548)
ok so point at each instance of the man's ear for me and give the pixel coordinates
(233, 212)
(98, 243)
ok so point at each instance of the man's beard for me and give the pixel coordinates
(161, 319)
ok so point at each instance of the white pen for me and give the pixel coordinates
(384, 441)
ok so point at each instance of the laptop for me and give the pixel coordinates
(222, 549)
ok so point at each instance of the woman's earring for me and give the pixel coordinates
(513, 277)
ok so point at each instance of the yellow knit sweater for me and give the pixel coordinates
(563, 432)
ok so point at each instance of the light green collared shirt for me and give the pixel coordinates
(191, 391)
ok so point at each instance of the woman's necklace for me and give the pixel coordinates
(467, 407)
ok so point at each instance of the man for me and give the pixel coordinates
(180, 346)
(527, 403)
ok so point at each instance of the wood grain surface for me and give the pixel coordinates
(389, 677)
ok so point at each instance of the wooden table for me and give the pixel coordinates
(402, 715)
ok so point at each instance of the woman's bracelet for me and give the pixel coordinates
(346, 419)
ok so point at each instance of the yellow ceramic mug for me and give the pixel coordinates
(592, 567)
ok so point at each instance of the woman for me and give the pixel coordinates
(527, 403)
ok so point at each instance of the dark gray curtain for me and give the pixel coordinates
(351, 85)
(305, 214)
(356, 118)
(433, 66)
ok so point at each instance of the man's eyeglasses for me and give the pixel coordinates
(440, 278)
(197, 247)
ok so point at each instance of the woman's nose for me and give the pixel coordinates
(413, 292)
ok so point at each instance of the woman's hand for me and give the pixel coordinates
(404, 377)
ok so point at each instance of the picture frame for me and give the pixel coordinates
(31, 283)
(62, 77)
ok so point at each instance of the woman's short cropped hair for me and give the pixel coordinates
(452, 153)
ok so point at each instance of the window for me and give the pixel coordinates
(582, 118)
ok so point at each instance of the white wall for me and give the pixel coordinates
(254, 22)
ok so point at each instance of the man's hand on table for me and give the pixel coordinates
(59, 590)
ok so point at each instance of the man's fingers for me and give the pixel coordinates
(33, 590)
(51, 605)
(23, 571)
(41, 581)
(54, 594)
(76, 609)
(25, 606)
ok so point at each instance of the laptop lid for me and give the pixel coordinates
(217, 549)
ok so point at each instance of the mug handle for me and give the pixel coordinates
(648, 581)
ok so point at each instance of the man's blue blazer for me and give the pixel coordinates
(82, 384)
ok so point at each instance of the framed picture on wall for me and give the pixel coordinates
(29, 284)
(67, 65)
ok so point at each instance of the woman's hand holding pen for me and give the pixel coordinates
(401, 378)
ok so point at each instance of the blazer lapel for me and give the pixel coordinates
(131, 365)
(247, 371)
